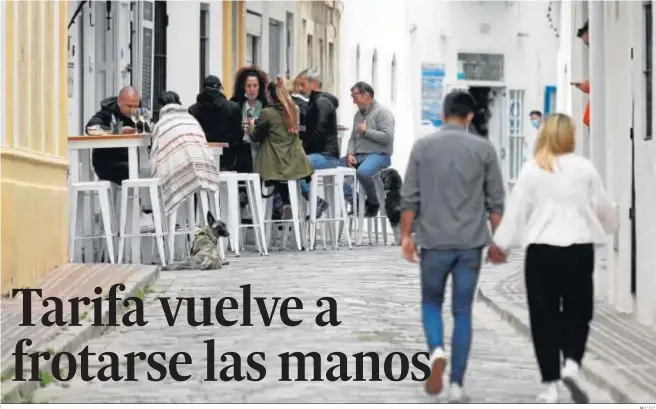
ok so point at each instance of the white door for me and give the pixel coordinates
(105, 52)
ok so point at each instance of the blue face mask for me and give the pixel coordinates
(535, 123)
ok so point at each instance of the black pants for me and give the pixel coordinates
(559, 287)
(113, 172)
(280, 187)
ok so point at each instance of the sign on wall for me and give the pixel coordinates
(432, 93)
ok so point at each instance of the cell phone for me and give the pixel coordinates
(576, 84)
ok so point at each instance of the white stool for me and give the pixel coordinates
(337, 213)
(189, 229)
(104, 190)
(154, 188)
(382, 215)
(230, 185)
(297, 215)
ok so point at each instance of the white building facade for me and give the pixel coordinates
(621, 140)
(270, 36)
(153, 45)
(415, 52)
(374, 48)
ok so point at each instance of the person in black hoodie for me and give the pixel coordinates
(111, 164)
(220, 119)
(320, 136)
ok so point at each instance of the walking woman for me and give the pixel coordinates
(558, 211)
(281, 156)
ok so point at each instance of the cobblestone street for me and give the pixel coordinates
(378, 304)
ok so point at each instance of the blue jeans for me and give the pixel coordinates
(367, 165)
(318, 161)
(465, 266)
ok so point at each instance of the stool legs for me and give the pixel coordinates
(233, 216)
(159, 222)
(106, 214)
(123, 222)
(72, 232)
(293, 198)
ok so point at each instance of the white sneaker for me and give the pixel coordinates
(570, 377)
(456, 393)
(437, 364)
(550, 395)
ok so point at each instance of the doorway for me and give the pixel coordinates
(490, 120)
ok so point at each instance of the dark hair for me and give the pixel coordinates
(582, 30)
(535, 112)
(458, 104)
(363, 87)
(169, 97)
(279, 95)
(239, 92)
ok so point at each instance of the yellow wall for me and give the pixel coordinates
(33, 155)
(229, 33)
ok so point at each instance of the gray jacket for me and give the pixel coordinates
(379, 136)
(453, 182)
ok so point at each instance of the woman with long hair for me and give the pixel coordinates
(280, 157)
(558, 211)
(250, 93)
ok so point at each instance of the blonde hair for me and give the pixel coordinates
(557, 137)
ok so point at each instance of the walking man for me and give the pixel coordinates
(452, 188)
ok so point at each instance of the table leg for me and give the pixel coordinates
(133, 164)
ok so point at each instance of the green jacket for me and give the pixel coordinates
(281, 155)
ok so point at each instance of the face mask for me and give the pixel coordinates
(535, 123)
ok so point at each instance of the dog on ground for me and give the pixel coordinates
(392, 184)
(205, 249)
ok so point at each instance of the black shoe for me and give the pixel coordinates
(321, 208)
(371, 210)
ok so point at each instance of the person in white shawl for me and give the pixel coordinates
(180, 156)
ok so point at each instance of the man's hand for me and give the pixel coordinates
(409, 249)
(350, 160)
(128, 130)
(495, 255)
(362, 128)
(583, 86)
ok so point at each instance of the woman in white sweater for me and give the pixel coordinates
(558, 211)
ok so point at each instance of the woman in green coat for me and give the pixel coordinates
(280, 156)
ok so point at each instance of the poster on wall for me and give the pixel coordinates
(432, 93)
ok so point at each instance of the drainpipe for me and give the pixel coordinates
(564, 89)
(597, 92)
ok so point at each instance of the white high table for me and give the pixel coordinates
(79, 148)
(80, 165)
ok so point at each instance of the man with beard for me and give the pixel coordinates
(320, 136)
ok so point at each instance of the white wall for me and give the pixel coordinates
(518, 29)
(386, 31)
(623, 82)
(183, 50)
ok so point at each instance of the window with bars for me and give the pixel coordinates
(648, 70)
(159, 54)
(516, 148)
(322, 57)
(204, 42)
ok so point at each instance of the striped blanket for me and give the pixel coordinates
(180, 156)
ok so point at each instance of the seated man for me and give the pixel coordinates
(320, 135)
(371, 144)
(220, 119)
(111, 164)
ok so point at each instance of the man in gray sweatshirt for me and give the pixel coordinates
(452, 188)
(371, 144)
